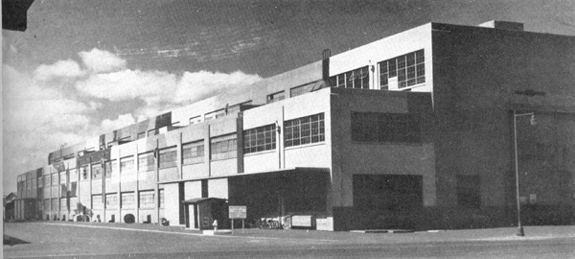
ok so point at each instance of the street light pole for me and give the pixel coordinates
(520, 231)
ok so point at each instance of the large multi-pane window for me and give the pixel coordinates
(110, 167)
(146, 162)
(55, 190)
(40, 181)
(97, 201)
(357, 78)
(385, 127)
(276, 97)
(260, 139)
(168, 157)
(302, 89)
(223, 147)
(55, 179)
(193, 152)
(403, 71)
(112, 200)
(146, 199)
(97, 171)
(127, 164)
(305, 130)
(128, 200)
(47, 180)
(55, 204)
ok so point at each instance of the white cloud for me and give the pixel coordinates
(102, 61)
(36, 120)
(203, 84)
(61, 69)
(122, 121)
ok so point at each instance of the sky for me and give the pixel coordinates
(87, 67)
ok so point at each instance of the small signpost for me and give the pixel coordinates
(237, 212)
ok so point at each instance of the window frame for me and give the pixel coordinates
(196, 152)
(223, 147)
(300, 131)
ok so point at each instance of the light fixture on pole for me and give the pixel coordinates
(520, 231)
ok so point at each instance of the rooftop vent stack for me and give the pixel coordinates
(325, 64)
(503, 25)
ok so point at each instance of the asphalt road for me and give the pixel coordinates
(92, 240)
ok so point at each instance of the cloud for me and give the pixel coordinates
(36, 120)
(60, 69)
(122, 121)
(203, 84)
(102, 61)
(128, 84)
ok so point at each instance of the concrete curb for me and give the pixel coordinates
(375, 231)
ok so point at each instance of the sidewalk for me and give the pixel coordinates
(488, 235)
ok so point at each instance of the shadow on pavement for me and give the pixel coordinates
(12, 241)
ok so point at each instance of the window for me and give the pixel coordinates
(55, 204)
(47, 180)
(55, 190)
(306, 130)
(215, 115)
(302, 89)
(146, 199)
(168, 157)
(128, 200)
(260, 139)
(468, 191)
(97, 202)
(40, 181)
(408, 70)
(193, 152)
(97, 171)
(34, 183)
(146, 162)
(55, 179)
(272, 98)
(47, 204)
(112, 200)
(63, 204)
(127, 164)
(196, 119)
(110, 167)
(63, 177)
(358, 79)
(223, 147)
(385, 127)
(161, 194)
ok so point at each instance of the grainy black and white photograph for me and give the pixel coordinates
(288, 129)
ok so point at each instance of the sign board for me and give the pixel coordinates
(301, 221)
(238, 212)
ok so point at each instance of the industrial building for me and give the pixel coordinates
(416, 130)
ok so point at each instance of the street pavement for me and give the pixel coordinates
(101, 240)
